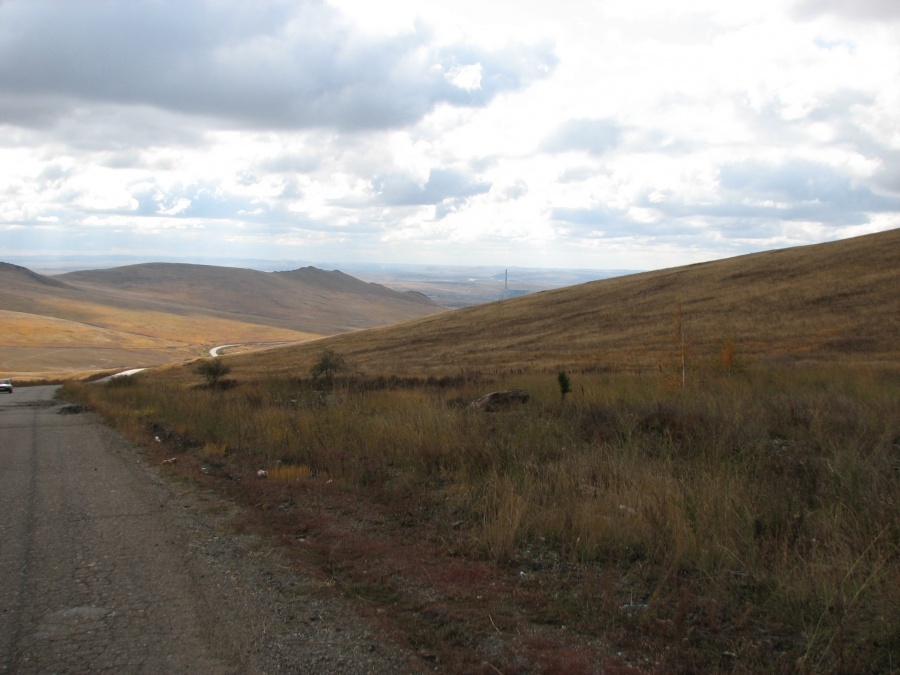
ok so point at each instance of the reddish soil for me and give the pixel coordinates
(458, 613)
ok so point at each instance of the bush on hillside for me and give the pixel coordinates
(213, 370)
(327, 367)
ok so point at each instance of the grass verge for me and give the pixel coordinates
(748, 521)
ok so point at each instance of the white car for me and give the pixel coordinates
(6, 386)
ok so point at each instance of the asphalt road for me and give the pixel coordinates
(106, 566)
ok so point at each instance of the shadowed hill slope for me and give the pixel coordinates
(18, 277)
(344, 283)
(308, 299)
(834, 301)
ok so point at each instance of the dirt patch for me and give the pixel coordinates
(455, 613)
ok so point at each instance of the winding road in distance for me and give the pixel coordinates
(215, 351)
(106, 566)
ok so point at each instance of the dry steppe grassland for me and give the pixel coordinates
(80, 324)
(718, 491)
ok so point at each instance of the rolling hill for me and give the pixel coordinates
(156, 313)
(308, 299)
(739, 522)
(825, 302)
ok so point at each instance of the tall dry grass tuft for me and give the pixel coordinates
(753, 508)
(289, 473)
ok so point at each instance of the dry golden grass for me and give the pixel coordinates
(104, 338)
(31, 330)
(752, 513)
(289, 473)
(306, 300)
(193, 332)
(152, 314)
(739, 515)
(828, 302)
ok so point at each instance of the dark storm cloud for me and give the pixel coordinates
(442, 185)
(257, 64)
(595, 137)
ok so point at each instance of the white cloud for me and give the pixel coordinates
(866, 10)
(595, 137)
(567, 133)
(466, 77)
(267, 64)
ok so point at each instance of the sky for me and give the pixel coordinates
(606, 134)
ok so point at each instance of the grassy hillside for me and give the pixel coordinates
(151, 314)
(736, 514)
(828, 302)
(309, 299)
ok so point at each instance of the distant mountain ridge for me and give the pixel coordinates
(295, 299)
(181, 309)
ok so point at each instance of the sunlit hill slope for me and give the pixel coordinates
(833, 301)
(150, 314)
(718, 492)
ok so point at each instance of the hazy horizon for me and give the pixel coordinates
(54, 264)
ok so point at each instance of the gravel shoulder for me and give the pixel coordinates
(105, 565)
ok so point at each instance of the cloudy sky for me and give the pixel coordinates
(596, 134)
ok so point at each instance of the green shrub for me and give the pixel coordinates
(213, 370)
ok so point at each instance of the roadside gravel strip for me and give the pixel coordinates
(106, 566)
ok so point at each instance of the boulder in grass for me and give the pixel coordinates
(499, 400)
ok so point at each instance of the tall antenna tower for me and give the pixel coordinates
(506, 292)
